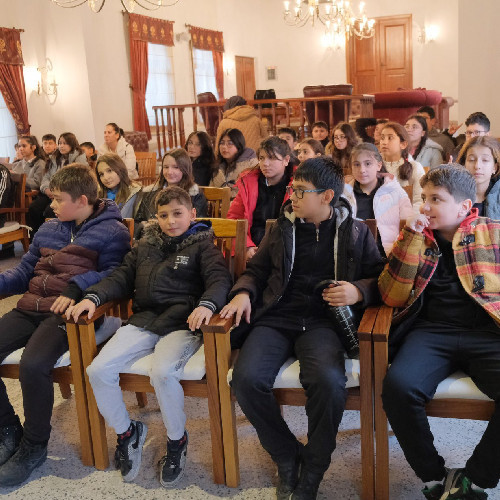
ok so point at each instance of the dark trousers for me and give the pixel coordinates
(45, 339)
(428, 356)
(38, 211)
(322, 374)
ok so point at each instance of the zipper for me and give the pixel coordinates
(317, 234)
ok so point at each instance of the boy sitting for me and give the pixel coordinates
(49, 144)
(314, 239)
(178, 279)
(320, 132)
(68, 254)
(443, 273)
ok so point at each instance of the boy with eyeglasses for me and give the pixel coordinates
(477, 124)
(178, 279)
(314, 239)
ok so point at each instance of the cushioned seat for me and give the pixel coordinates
(459, 385)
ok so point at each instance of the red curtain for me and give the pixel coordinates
(219, 72)
(12, 78)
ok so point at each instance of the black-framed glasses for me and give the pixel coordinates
(475, 133)
(299, 193)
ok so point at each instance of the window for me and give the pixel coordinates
(204, 72)
(160, 90)
(8, 131)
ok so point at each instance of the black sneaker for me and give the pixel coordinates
(10, 437)
(459, 486)
(128, 453)
(24, 461)
(308, 485)
(288, 477)
(173, 463)
(433, 493)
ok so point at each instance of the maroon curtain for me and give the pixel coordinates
(12, 78)
(219, 72)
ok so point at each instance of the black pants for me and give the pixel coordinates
(322, 374)
(45, 339)
(37, 211)
(428, 356)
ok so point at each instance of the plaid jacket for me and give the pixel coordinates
(414, 258)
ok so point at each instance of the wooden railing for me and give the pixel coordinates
(170, 120)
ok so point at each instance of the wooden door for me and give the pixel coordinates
(245, 76)
(383, 62)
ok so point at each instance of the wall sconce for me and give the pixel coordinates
(47, 81)
(31, 78)
(228, 64)
(428, 33)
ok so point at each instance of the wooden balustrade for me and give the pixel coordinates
(170, 130)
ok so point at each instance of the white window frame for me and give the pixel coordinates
(8, 131)
(204, 72)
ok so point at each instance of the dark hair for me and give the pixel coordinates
(238, 139)
(360, 126)
(323, 173)
(320, 124)
(381, 121)
(233, 101)
(116, 164)
(288, 130)
(478, 118)
(368, 147)
(341, 156)
(423, 122)
(483, 140)
(171, 193)
(71, 140)
(116, 128)
(316, 146)
(207, 156)
(406, 169)
(33, 141)
(49, 137)
(77, 180)
(455, 179)
(184, 164)
(87, 145)
(275, 148)
(429, 110)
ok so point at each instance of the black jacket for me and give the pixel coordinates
(168, 278)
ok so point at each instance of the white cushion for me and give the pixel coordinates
(9, 227)
(194, 369)
(288, 376)
(108, 327)
(460, 386)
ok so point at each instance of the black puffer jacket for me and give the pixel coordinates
(168, 277)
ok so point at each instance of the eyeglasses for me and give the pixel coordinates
(339, 137)
(474, 133)
(226, 143)
(299, 193)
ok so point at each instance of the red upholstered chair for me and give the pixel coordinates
(138, 140)
(339, 114)
(210, 116)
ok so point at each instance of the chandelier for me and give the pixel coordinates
(128, 5)
(336, 15)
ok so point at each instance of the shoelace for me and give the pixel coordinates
(122, 461)
(450, 485)
(171, 459)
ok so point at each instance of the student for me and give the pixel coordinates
(481, 157)
(200, 150)
(232, 158)
(441, 276)
(378, 130)
(176, 171)
(424, 150)
(376, 194)
(309, 148)
(114, 142)
(343, 140)
(178, 279)
(433, 133)
(320, 132)
(49, 144)
(90, 152)
(314, 239)
(394, 150)
(32, 164)
(68, 254)
(290, 136)
(262, 189)
(68, 151)
(7, 188)
(115, 185)
(477, 125)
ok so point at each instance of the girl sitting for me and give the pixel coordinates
(481, 157)
(343, 140)
(176, 171)
(200, 150)
(114, 142)
(394, 150)
(309, 148)
(115, 184)
(32, 163)
(376, 194)
(425, 151)
(262, 189)
(233, 157)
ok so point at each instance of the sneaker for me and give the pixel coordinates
(10, 437)
(24, 461)
(173, 463)
(128, 453)
(308, 485)
(459, 486)
(288, 477)
(433, 493)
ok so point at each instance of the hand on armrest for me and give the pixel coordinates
(82, 318)
(218, 325)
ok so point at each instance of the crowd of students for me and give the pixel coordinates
(441, 272)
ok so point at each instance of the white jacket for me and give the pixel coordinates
(126, 152)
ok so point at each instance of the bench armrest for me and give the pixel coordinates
(218, 325)
(382, 324)
(100, 311)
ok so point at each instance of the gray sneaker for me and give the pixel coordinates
(172, 465)
(128, 453)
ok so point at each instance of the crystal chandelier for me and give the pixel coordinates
(336, 15)
(128, 5)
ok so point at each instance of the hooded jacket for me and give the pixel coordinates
(431, 154)
(243, 118)
(126, 152)
(34, 172)
(60, 255)
(168, 277)
(492, 201)
(129, 206)
(53, 167)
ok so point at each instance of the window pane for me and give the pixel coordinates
(8, 132)
(204, 72)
